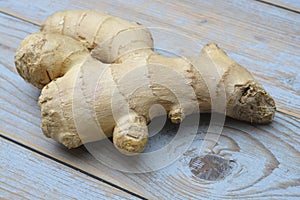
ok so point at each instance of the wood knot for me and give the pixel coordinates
(211, 167)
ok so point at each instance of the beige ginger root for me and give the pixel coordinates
(79, 50)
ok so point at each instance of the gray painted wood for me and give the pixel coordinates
(28, 175)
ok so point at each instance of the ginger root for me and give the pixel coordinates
(74, 48)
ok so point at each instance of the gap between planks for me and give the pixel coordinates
(68, 165)
(23, 177)
(271, 3)
(12, 14)
(36, 23)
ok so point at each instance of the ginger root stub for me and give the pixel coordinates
(75, 43)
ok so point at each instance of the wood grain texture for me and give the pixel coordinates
(289, 4)
(265, 162)
(261, 37)
(27, 175)
(264, 159)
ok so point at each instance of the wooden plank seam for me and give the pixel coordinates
(70, 166)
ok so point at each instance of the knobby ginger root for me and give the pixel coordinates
(90, 48)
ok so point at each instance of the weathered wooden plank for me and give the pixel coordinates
(262, 37)
(265, 159)
(293, 5)
(27, 175)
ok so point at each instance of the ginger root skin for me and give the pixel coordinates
(77, 46)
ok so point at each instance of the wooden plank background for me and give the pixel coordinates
(260, 36)
(32, 176)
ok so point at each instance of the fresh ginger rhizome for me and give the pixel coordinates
(76, 44)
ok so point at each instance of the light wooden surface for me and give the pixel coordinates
(32, 176)
(264, 159)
